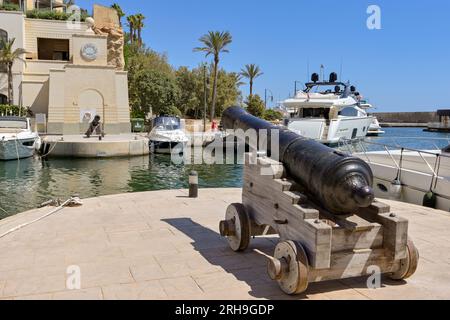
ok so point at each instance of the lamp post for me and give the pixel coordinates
(205, 97)
(265, 96)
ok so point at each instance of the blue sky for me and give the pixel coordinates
(405, 66)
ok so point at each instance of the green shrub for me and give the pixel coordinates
(255, 106)
(7, 110)
(10, 7)
(52, 15)
(272, 115)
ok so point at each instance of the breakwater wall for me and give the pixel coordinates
(407, 117)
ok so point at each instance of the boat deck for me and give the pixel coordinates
(163, 245)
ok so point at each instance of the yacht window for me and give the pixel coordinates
(167, 123)
(316, 113)
(13, 124)
(327, 89)
(349, 112)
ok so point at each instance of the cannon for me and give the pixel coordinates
(340, 183)
(320, 203)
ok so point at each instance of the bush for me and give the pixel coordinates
(255, 106)
(7, 110)
(52, 15)
(10, 7)
(272, 115)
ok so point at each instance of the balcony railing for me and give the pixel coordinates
(40, 5)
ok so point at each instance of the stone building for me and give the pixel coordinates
(73, 70)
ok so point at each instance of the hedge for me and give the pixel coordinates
(52, 15)
(7, 110)
(10, 7)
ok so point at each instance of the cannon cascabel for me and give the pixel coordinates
(334, 181)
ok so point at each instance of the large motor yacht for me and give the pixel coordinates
(327, 112)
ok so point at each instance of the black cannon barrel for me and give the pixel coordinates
(336, 181)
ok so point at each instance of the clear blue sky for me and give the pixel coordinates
(405, 66)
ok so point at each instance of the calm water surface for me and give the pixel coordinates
(27, 183)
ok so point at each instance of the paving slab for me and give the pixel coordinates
(163, 245)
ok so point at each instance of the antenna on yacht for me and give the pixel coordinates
(322, 72)
(307, 71)
(340, 72)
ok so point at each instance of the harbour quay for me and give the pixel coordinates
(123, 145)
(135, 246)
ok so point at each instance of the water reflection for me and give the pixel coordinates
(26, 184)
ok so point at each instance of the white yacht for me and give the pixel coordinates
(167, 135)
(327, 112)
(406, 174)
(17, 140)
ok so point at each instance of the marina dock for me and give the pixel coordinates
(164, 245)
(123, 145)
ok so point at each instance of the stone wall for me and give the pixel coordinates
(407, 117)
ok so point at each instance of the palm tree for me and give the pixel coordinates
(139, 26)
(131, 23)
(7, 58)
(215, 43)
(119, 10)
(251, 72)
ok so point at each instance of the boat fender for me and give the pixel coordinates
(430, 200)
(38, 144)
(396, 189)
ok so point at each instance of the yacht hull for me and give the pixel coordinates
(17, 149)
(416, 177)
(164, 147)
(351, 128)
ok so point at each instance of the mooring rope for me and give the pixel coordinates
(3, 210)
(73, 201)
(17, 149)
(50, 151)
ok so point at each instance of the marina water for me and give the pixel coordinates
(28, 183)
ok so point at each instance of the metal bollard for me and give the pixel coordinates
(193, 184)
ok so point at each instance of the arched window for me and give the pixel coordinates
(3, 99)
(3, 36)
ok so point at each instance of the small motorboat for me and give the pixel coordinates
(167, 136)
(17, 140)
(375, 128)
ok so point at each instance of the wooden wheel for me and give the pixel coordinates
(408, 266)
(236, 227)
(290, 267)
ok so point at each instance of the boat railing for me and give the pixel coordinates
(362, 148)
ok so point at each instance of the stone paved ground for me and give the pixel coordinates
(162, 245)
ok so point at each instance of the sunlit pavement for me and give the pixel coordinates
(163, 245)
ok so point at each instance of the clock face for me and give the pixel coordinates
(89, 52)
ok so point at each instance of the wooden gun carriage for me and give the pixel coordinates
(315, 245)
